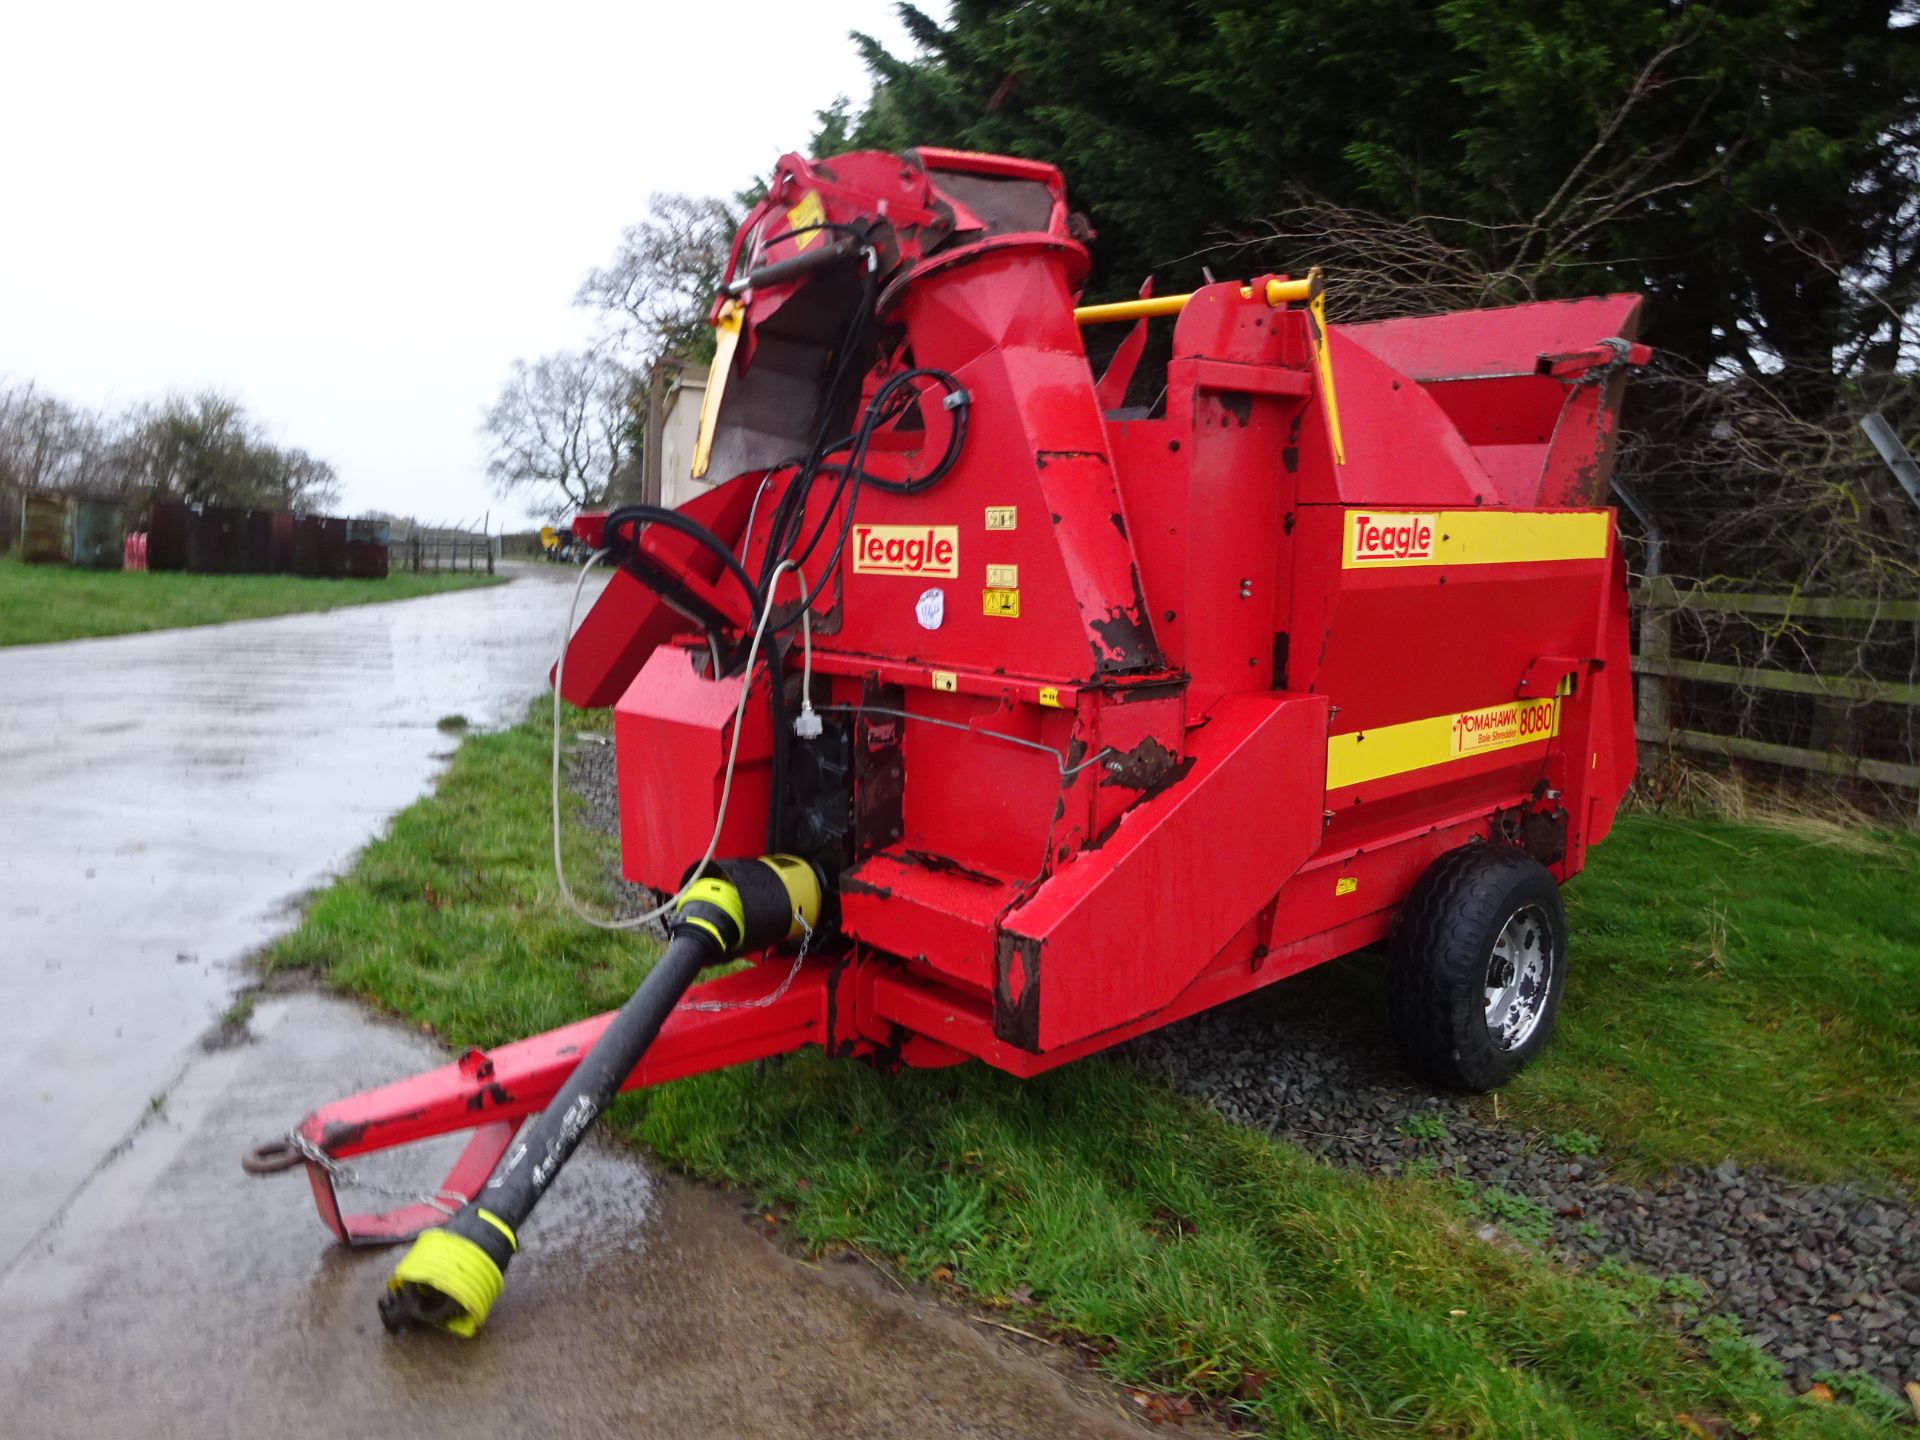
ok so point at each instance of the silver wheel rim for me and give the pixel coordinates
(1518, 974)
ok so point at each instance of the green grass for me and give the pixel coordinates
(1192, 1255)
(39, 603)
(1746, 992)
(1735, 991)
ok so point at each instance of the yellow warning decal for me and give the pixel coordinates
(1363, 755)
(1382, 539)
(1000, 602)
(1003, 577)
(1346, 885)
(944, 679)
(807, 217)
(1003, 517)
(1050, 696)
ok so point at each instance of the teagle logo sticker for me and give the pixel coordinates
(1375, 539)
(907, 550)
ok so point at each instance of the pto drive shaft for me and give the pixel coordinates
(453, 1274)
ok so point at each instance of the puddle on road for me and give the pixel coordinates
(183, 1298)
(166, 795)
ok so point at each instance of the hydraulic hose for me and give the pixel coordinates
(452, 1275)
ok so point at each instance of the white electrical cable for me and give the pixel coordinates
(733, 751)
(807, 723)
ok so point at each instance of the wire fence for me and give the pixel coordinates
(431, 548)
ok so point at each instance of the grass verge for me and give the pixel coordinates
(1194, 1256)
(39, 603)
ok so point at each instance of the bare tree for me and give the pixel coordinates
(202, 448)
(561, 430)
(653, 297)
(48, 444)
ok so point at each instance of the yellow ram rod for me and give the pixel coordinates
(1279, 292)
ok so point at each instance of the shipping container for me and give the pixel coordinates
(280, 543)
(99, 534)
(216, 541)
(256, 543)
(169, 536)
(319, 546)
(368, 548)
(46, 529)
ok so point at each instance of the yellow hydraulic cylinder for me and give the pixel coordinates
(1279, 292)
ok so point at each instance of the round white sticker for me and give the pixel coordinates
(931, 608)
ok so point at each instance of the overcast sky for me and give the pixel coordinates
(354, 216)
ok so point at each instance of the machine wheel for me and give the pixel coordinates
(1476, 964)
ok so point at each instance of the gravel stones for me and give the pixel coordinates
(1822, 1277)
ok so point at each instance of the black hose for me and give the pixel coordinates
(887, 401)
(453, 1274)
(627, 516)
(492, 1220)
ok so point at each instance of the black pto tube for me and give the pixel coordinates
(453, 1274)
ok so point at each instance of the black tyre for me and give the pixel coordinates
(1475, 967)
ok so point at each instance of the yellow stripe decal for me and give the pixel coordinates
(1382, 539)
(1362, 755)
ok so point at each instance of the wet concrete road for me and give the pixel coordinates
(181, 1298)
(165, 800)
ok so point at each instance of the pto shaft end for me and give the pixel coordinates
(447, 1281)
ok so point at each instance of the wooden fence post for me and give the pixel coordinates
(1656, 644)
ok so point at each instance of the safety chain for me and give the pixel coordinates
(345, 1177)
(806, 939)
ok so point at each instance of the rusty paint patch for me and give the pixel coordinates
(1042, 458)
(339, 1134)
(944, 865)
(1016, 991)
(494, 1093)
(1126, 635)
(1142, 767)
(852, 884)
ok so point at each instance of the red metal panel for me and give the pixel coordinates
(938, 915)
(1546, 441)
(1124, 929)
(671, 732)
(981, 803)
(628, 620)
(1506, 340)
